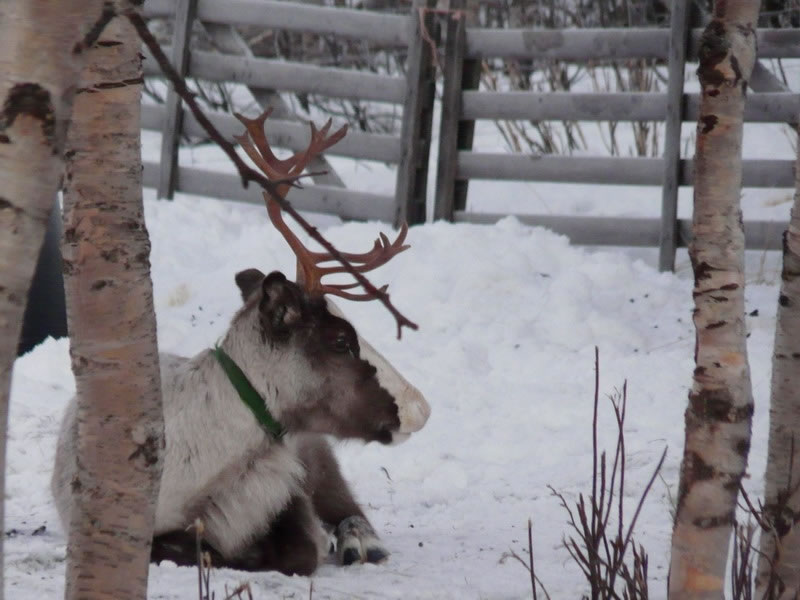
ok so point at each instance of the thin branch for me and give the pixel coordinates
(248, 174)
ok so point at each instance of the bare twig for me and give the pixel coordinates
(530, 559)
(248, 174)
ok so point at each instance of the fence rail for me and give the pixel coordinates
(583, 45)
(389, 30)
(774, 107)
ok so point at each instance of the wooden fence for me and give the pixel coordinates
(462, 104)
(414, 93)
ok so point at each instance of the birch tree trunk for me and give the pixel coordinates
(40, 61)
(781, 546)
(112, 329)
(719, 413)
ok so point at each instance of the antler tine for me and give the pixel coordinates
(381, 253)
(255, 130)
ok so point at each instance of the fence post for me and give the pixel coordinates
(679, 37)
(186, 10)
(415, 135)
(447, 169)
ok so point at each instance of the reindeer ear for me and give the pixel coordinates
(248, 281)
(280, 305)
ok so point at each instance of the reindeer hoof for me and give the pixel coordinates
(357, 542)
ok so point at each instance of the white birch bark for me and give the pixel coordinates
(781, 545)
(40, 62)
(112, 329)
(719, 414)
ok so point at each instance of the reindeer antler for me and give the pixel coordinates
(309, 271)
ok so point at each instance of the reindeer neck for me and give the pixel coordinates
(244, 361)
(248, 394)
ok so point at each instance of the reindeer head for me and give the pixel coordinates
(362, 378)
(315, 360)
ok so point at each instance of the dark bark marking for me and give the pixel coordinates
(698, 371)
(111, 85)
(108, 43)
(796, 355)
(33, 100)
(719, 298)
(111, 255)
(709, 122)
(714, 48)
(713, 522)
(700, 469)
(149, 450)
(716, 325)
(4, 139)
(7, 205)
(70, 235)
(737, 71)
(730, 286)
(97, 29)
(101, 283)
(784, 300)
(703, 271)
(742, 447)
(717, 405)
(713, 93)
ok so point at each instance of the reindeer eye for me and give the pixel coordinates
(340, 344)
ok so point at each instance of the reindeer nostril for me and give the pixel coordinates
(384, 435)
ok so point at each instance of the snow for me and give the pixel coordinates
(509, 318)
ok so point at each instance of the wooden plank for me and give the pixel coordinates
(606, 170)
(607, 44)
(158, 9)
(455, 43)
(555, 168)
(170, 138)
(625, 231)
(771, 107)
(385, 29)
(568, 44)
(150, 171)
(415, 131)
(152, 117)
(297, 77)
(296, 136)
(679, 35)
(290, 135)
(346, 203)
(470, 80)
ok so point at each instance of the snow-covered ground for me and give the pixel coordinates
(509, 317)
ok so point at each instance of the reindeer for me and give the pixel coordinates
(244, 422)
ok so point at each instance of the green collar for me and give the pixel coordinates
(248, 394)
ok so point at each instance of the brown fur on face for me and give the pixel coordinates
(348, 401)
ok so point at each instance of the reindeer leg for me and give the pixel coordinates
(356, 540)
(294, 544)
